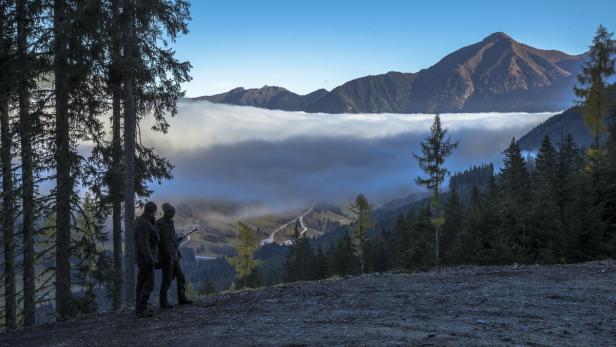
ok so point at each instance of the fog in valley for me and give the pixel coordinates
(279, 160)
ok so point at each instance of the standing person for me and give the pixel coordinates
(170, 258)
(146, 241)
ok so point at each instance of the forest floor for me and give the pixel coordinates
(568, 305)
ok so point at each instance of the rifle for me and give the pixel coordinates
(179, 239)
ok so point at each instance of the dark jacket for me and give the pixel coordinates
(168, 241)
(146, 240)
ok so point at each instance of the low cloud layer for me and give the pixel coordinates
(287, 160)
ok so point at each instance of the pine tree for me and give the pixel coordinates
(379, 254)
(246, 247)
(609, 196)
(115, 184)
(130, 127)
(322, 267)
(361, 208)
(344, 262)
(583, 228)
(300, 262)
(419, 251)
(25, 14)
(7, 60)
(516, 194)
(467, 245)
(151, 78)
(454, 219)
(544, 218)
(435, 149)
(207, 288)
(591, 90)
(63, 156)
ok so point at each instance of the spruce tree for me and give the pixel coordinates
(516, 195)
(207, 288)
(7, 60)
(28, 68)
(454, 219)
(361, 208)
(151, 79)
(544, 222)
(467, 245)
(434, 150)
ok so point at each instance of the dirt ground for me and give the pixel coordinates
(572, 305)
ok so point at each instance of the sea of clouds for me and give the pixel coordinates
(287, 160)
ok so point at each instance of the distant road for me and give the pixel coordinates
(272, 236)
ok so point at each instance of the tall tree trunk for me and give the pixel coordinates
(7, 207)
(116, 169)
(63, 160)
(130, 120)
(25, 134)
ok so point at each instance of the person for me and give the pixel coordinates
(146, 242)
(170, 258)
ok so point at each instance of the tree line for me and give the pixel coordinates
(77, 77)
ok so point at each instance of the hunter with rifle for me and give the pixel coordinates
(169, 257)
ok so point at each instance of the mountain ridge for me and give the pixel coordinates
(497, 73)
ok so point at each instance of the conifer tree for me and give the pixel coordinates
(344, 261)
(26, 14)
(544, 216)
(516, 189)
(322, 268)
(151, 80)
(435, 149)
(300, 263)
(361, 208)
(207, 288)
(467, 246)
(246, 247)
(454, 219)
(7, 60)
(609, 196)
(591, 90)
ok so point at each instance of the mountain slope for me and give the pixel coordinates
(496, 74)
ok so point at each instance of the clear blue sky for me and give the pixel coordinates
(312, 44)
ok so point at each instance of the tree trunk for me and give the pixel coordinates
(116, 168)
(25, 135)
(130, 120)
(436, 248)
(63, 168)
(7, 208)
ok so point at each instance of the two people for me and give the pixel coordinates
(157, 244)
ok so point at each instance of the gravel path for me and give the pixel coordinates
(572, 305)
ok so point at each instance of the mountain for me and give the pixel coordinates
(270, 97)
(496, 74)
(567, 122)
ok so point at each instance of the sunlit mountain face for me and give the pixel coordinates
(282, 160)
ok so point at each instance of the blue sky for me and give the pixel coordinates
(307, 45)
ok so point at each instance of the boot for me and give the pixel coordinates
(144, 314)
(165, 304)
(185, 301)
